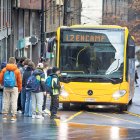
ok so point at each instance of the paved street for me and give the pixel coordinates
(89, 123)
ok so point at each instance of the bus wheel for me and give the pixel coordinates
(123, 108)
(66, 106)
(130, 102)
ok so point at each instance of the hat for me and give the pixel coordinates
(40, 65)
(55, 69)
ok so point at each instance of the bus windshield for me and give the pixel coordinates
(92, 53)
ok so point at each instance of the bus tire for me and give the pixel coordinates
(123, 108)
(66, 106)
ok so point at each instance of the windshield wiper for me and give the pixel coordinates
(69, 78)
(107, 78)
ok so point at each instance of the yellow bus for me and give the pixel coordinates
(97, 65)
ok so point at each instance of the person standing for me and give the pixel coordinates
(27, 94)
(38, 92)
(3, 65)
(55, 93)
(23, 92)
(20, 65)
(10, 78)
(45, 69)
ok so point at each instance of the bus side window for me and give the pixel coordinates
(131, 47)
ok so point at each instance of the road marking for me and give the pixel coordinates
(98, 125)
(133, 114)
(73, 116)
(114, 118)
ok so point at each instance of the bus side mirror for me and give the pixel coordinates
(51, 43)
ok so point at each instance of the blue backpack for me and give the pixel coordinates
(9, 79)
(33, 84)
(48, 83)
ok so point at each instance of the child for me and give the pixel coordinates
(55, 93)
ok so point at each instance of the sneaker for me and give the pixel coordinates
(13, 118)
(33, 116)
(46, 111)
(5, 117)
(39, 117)
(54, 117)
(19, 111)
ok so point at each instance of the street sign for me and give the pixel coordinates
(33, 40)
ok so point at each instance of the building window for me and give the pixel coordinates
(20, 25)
(50, 13)
(8, 13)
(35, 23)
(0, 14)
(54, 12)
(27, 23)
(4, 13)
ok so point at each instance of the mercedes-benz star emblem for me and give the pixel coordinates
(90, 92)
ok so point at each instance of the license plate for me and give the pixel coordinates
(90, 100)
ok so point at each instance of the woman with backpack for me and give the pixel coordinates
(36, 83)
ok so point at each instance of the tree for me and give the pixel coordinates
(132, 21)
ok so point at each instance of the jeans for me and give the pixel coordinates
(54, 104)
(28, 105)
(19, 106)
(37, 102)
(44, 102)
(1, 101)
(23, 99)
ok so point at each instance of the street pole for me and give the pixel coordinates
(65, 13)
(42, 38)
(59, 15)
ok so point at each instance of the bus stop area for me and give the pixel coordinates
(78, 124)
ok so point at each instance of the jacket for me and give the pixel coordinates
(12, 67)
(26, 75)
(41, 77)
(55, 84)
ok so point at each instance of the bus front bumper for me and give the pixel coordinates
(95, 100)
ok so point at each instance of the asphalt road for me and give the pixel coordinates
(91, 123)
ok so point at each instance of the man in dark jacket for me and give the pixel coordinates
(55, 93)
(37, 95)
(20, 65)
(25, 95)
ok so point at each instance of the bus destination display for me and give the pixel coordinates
(77, 36)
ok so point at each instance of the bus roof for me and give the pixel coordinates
(95, 26)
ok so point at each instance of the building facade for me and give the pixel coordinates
(115, 10)
(91, 12)
(61, 13)
(72, 12)
(5, 30)
(26, 23)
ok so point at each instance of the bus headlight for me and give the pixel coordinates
(118, 94)
(64, 94)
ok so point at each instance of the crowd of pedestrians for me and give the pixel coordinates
(24, 88)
